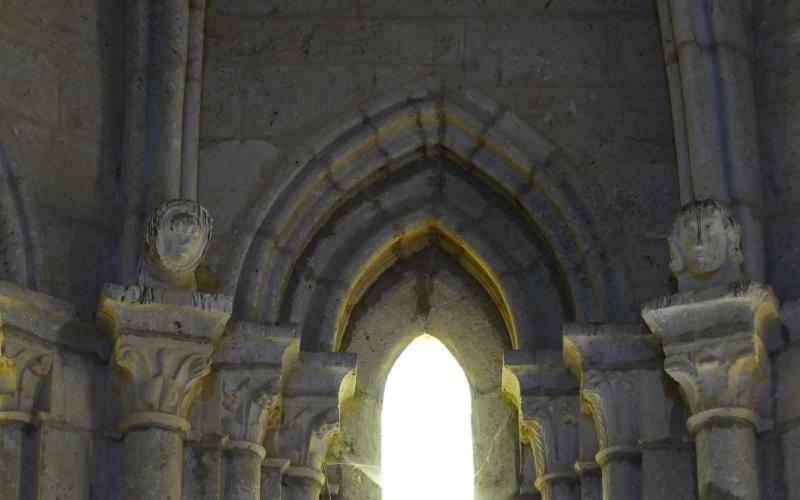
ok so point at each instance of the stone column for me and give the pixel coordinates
(272, 472)
(708, 57)
(313, 384)
(787, 395)
(712, 339)
(163, 332)
(548, 404)
(586, 467)
(22, 370)
(611, 360)
(249, 371)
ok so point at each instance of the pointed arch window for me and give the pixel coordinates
(426, 426)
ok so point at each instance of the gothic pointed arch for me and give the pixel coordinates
(383, 138)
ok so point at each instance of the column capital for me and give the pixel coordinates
(547, 396)
(162, 343)
(249, 370)
(23, 368)
(313, 385)
(247, 408)
(713, 341)
(611, 361)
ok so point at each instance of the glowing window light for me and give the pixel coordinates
(426, 445)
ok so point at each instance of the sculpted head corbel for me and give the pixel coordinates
(705, 246)
(176, 239)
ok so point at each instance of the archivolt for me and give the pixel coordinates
(388, 135)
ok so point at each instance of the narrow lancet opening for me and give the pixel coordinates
(426, 426)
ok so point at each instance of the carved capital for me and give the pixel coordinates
(313, 386)
(22, 371)
(248, 405)
(159, 375)
(547, 397)
(733, 373)
(550, 424)
(713, 341)
(611, 361)
(613, 398)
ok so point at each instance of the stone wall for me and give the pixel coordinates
(586, 75)
(61, 98)
(777, 28)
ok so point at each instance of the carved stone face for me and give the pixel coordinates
(177, 237)
(704, 240)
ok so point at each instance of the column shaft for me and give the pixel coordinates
(560, 490)
(242, 475)
(726, 461)
(303, 484)
(622, 479)
(152, 464)
(11, 458)
(591, 486)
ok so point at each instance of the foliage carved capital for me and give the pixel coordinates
(248, 407)
(550, 424)
(613, 398)
(159, 375)
(713, 340)
(23, 368)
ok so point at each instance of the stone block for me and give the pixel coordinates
(29, 85)
(202, 471)
(72, 176)
(783, 241)
(284, 8)
(82, 30)
(91, 102)
(574, 7)
(604, 123)
(336, 41)
(221, 102)
(226, 195)
(668, 474)
(77, 384)
(63, 462)
(788, 390)
(790, 443)
(529, 51)
(281, 101)
(636, 54)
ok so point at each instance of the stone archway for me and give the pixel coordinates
(388, 135)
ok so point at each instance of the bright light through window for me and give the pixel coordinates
(426, 426)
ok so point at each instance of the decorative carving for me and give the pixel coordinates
(733, 373)
(550, 424)
(705, 246)
(175, 242)
(159, 376)
(247, 408)
(22, 370)
(713, 342)
(613, 398)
